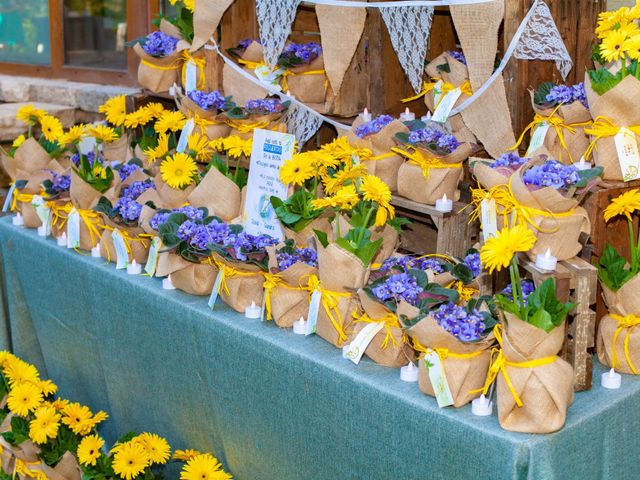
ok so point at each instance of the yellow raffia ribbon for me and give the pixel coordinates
(329, 302)
(627, 323)
(271, 282)
(446, 87)
(443, 353)
(284, 83)
(200, 63)
(227, 271)
(246, 127)
(425, 163)
(20, 197)
(465, 292)
(22, 468)
(390, 320)
(90, 218)
(175, 65)
(249, 64)
(604, 127)
(144, 239)
(499, 365)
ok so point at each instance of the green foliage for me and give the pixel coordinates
(238, 175)
(94, 177)
(296, 211)
(358, 241)
(168, 232)
(540, 95)
(19, 431)
(612, 269)
(602, 80)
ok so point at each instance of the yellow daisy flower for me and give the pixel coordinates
(613, 46)
(217, 144)
(185, 455)
(24, 398)
(178, 171)
(29, 114)
(170, 122)
(18, 141)
(204, 467)
(80, 419)
(73, 135)
(142, 116)
(102, 133)
(130, 460)
(498, 251)
(375, 190)
(18, 371)
(198, 146)
(157, 448)
(345, 199)
(44, 425)
(115, 110)
(47, 387)
(625, 204)
(237, 147)
(89, 450)
(297, 170)
(160, 151)
(333, 184)
(633, 47)
(156, 109)
(202, 123)
(59, 404)
(51, 128)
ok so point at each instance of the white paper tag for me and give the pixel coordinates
(216, 290)
(441, 115)
(489, 218)
(7, 201)
(152, 259)
(122, 256)
(628, 155)
(355, 350)
(191, 74)
(270, 78)
(184, 135)
(73, 229)
(438, 379)
(264, 306)
(43, 212)
(437, 92)
(314, 310)
(537, 138)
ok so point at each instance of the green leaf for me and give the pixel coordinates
(368, 252)
(104, 206)
(398, 222)
(402, 137)
(544, 310)
(602, 80)
(462, 273)
(540, 96)
(322, 236)
(542, 319)
(587, 175)
(612, 269)
(445, 68)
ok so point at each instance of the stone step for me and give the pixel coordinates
(10, 127)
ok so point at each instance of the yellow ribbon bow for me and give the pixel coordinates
(227, 271)
(128, 240)
(604, 127)
(271, 282)
(175, 65)
(330, 301)
(200, 63)
(59, 213)
(20, 197)
(390, 320)
(249, 64)
(91, 219)
(284, 83)
(425, 163)
(445, 88)
(627, 323)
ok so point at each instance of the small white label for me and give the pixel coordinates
(152, 259)
(355, 350)
(264, 306)
(216, 290)
(184, 135)
(314, 310)
(437, 92)
(628, 155)
(73, 229)
(268, 77)
(7, 201)
(441, 115)
(489, 218)
(191, 74)
(537, 138)
(43, 212)
(122, 256)
(438, 379)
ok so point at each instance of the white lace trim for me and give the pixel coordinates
(275, 19)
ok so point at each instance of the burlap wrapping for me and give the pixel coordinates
(159, 74)
(380, 144)
(190, 108)
(219, 194)
(457, 76)
(136, 176)
(413, 184)
(206, 18)
(342, 315)
(463, 374)
(196, 278)
(626, 301)
(614, 105)
(477, 27)
(396, 352)
(29, 157)
(66, 469)
(290, 299)
(489, 177)
(554, 231)
(577, 141)
(170, 263)
(605, 346)
(546, 391)
(301, 238)
(308, 87)
(164, 196)
(339, 270)
(118, 151)
(240, 88)
(243, 288)
(32, 187)
(139, 246)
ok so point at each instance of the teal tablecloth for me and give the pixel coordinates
(270, 404)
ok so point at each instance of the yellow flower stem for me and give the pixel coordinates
(623, 59)
(516, 286)
(30, 131)
(366, 222)
(633, 247)
(235, 174)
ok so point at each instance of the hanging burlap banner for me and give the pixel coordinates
(206, 18)
(340, 30)
(275, 20)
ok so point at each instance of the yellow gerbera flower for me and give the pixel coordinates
(614, 45)
(157, 448)
(29, 114)
(202, 123)
(198, 146)
(217, 144)
(345, 199)
(142, 116)
(625, 204)
(24, 398)
(321, 160)
(178, 171)
(115, 110)
(130, 460)
(51, 128)
(156, 109)
(80, 419)
(18, 141)
(89, 450)
(102, 133)
(237, 147)
(375, 190)
(498, 251)
(297, 170)
(47, 387)
(333, 184)
(59, 404)
(160, 151)
(204, 467)
(188, 4)
(633, 47)
(17, 370)
(73, 135)
(185, 455)
(170, 122)
(44, 425)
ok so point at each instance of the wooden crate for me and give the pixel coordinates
(576, 281)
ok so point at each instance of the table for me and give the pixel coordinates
(270, 404)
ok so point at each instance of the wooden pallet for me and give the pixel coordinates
(436, 232)
(577, 282)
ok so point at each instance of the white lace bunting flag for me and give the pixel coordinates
(409, 29)
(275, 19)
(541, 40)
(302, 123)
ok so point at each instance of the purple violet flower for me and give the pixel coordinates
(374, 126)
(527, 289)
(551, 174)
(159, 44)
(307, 256)
(208, 101)
(465, 326)
(126, 169)
(459, 56)
(264, 106)
(435, 139)
(509, 160)
(136, 189)
(60, 183)
(304, 52)
(401, 286)
(128, 209)
(245, 244)
(473, 262)
(91, 158)
(192, 213)
(564, 94)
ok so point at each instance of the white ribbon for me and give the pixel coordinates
(434, 3)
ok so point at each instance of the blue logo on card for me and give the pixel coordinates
(276, 149)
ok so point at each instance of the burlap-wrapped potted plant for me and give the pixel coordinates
(255, 113)
(433, 164)
(303, 74)
(493, 173)
(177, 178)
(249, 54)
(535, 386)
(207, 107)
